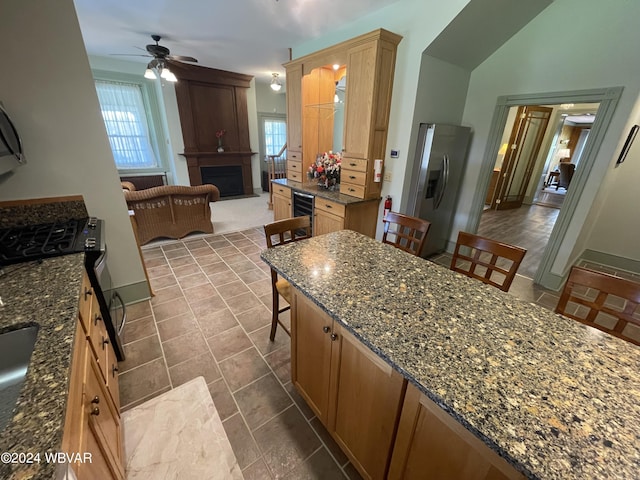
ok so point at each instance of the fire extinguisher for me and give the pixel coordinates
(387, 206)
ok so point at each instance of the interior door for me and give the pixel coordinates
(517, 167)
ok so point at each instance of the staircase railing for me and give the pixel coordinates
(276, 168)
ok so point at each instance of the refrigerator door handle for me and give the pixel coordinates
(445, 180)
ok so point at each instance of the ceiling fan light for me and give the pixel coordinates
(171, 77)
(148, 73)
(275, 83)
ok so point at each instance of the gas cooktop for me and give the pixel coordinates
(35, 242)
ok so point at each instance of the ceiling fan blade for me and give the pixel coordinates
(128, 55)
(182, 58)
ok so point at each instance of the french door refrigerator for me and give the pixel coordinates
(436, 179)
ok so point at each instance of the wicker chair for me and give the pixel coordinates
(171, 211)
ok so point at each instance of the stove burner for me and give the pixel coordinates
(33, 242)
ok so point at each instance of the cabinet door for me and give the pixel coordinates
(430, 444)
(366, 399)
(294, 108)
(361, 72)
(311, 353)
(326, 223)
(112, 377)
(281, 207)
(103, 434)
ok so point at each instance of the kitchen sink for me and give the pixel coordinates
(16, 347)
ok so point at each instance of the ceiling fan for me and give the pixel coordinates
(160, 56)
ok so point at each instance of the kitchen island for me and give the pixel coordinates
(552, 397)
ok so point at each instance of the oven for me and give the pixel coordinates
(28, 243)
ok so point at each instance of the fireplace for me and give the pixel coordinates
(227, 178)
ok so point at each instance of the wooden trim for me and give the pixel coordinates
(210, 75)
(338, 53)
(37, 201)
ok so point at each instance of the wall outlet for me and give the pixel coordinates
(387, 176)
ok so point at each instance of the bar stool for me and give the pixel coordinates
(410, 233)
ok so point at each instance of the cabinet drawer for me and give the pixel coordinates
(294, 175)
(295, 165)
(86, 300)
(354, 176)
(356, 164)
(329, 206)
(294, 155)
(352, 189)
(282, 191)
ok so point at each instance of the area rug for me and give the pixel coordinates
(178, 435)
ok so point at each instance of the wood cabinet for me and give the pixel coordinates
(353, 392)
(331, 216)
(430, 444)
(370, 63)
(92, 422)
(281, 202)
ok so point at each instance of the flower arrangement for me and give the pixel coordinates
(219, 135)
(326, 169)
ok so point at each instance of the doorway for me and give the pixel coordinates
(531, 185)
(551, 264)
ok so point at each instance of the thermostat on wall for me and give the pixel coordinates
(394, 153)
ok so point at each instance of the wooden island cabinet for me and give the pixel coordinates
(355, 394)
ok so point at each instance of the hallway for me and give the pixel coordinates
(528, 227)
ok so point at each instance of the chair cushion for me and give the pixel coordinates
(284, 289)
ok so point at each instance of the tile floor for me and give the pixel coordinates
(211, 316)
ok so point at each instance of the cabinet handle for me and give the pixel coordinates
(105, 341)
(114, 370)
(352, 177)
(95, 411)
(334, 337)
(97, 318)
(87, 293)
(328, 206)
(353, 164)
(96, 400)
(351, 189)
(326, 329)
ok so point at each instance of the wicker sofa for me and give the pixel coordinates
(171, 211)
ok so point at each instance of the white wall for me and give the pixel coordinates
(540, 59)
(47, 86)
(269, 101)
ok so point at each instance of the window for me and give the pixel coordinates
(125, 118)
(275, 135)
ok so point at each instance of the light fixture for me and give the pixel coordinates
(275, 83)
(157, 67)
(168, 75)
(503, 149)
(336, 66)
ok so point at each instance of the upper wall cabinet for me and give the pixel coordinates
(358, 72)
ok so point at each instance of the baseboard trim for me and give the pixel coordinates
(134, 292)
(614, 261)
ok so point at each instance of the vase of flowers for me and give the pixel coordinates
(326, 170)
(219, 135)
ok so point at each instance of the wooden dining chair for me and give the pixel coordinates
(487, 260)
(280, 233)
(405, 232)
(602, 301)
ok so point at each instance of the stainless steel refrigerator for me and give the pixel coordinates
(436, 179)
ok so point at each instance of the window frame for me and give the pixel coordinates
(153, 116)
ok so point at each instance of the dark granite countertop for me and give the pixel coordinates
(44, 294)
(556, 399)
(313, 189)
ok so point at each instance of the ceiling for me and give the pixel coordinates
(244, 36)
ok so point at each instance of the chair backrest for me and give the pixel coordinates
(405, 232)
(487, 260)
(566, 173)
(288, 230)
(602, 301)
